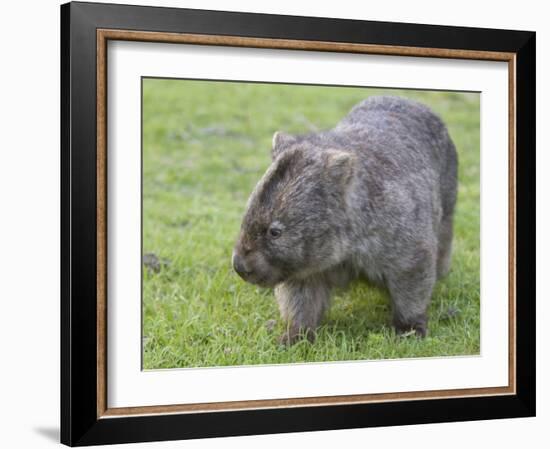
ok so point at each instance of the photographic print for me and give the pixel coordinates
(267, 220)
(288, 223)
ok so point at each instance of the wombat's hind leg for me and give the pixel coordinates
(410, 291)
(445, 244)
(302, 304)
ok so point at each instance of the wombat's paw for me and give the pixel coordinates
(291, 337)
(403, 330)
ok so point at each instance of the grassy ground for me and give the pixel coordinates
(205, 145)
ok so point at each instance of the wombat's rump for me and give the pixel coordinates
(373, 197)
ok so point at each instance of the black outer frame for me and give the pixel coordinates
(79, 422)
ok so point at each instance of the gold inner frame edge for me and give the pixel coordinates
(103, 36)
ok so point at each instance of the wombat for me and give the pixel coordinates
(371, 198)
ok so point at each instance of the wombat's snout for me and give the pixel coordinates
(240, 266)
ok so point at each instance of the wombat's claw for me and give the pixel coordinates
(407, 334)
(418, 331)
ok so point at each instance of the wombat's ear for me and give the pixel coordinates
(340, 166)
(281, 141)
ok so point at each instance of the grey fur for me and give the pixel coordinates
(371, 198)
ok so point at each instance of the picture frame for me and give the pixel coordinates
(86, 29)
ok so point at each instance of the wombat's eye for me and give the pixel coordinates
(274, 232)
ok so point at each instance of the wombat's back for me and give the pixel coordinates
(380, 106)
(391, 119)
(408, 133)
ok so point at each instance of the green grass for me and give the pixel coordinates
(205, 145)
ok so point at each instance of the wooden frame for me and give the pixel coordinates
(86, 28)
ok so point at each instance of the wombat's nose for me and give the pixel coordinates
(239, 266)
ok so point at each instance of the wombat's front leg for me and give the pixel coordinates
(411, 290)
(302, 304)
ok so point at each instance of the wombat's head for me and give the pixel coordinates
(295, 221)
